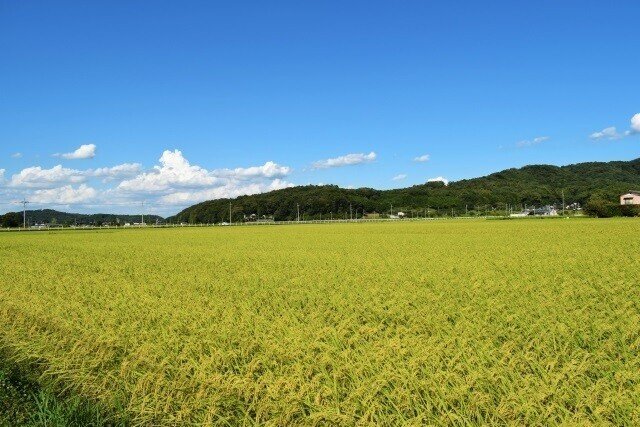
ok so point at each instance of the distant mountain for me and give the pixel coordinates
(531, 185)
(50, 216)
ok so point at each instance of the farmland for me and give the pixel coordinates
(448, 322)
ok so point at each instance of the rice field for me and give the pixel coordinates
(531, 322)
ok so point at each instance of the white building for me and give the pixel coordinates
(543, 211)
(631, 198)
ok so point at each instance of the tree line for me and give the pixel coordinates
(589, 184)
(54, 217)
(595, 185)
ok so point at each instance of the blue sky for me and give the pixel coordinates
(262, 95)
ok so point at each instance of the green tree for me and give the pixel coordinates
(599, 207)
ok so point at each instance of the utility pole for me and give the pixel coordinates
(391, 212)
(298, 210)
(24, 213)
(562, 202)
(142, 204)
(229, 212)
(350, 212)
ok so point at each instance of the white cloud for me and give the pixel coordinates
(16, 155)
(346, 160)
(534, 141)
(2, 171)
(399, 177)
(85, 151)
(173, 182)
(439, 179)
(64, 195)
(36, 177)
(635, 123)
(174, 172)
(176, 181)
(119, 171)
(229, 190)
(423, 158)
(268, 170)
(610, 133)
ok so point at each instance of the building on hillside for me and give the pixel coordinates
(631, 198)
(259, 219)
(544, 211)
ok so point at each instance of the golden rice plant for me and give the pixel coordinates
(426, 323)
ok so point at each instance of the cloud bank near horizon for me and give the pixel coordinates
(173, 182)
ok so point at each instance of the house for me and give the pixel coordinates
(265, 219)
(631, 198)
(544, 211)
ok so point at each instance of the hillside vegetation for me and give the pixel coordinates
(530, 185)
(50, 216)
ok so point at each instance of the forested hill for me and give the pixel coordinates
(531, 185)
(50, 216)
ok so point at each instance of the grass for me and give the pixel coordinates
(23, 402)
(451, 322)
